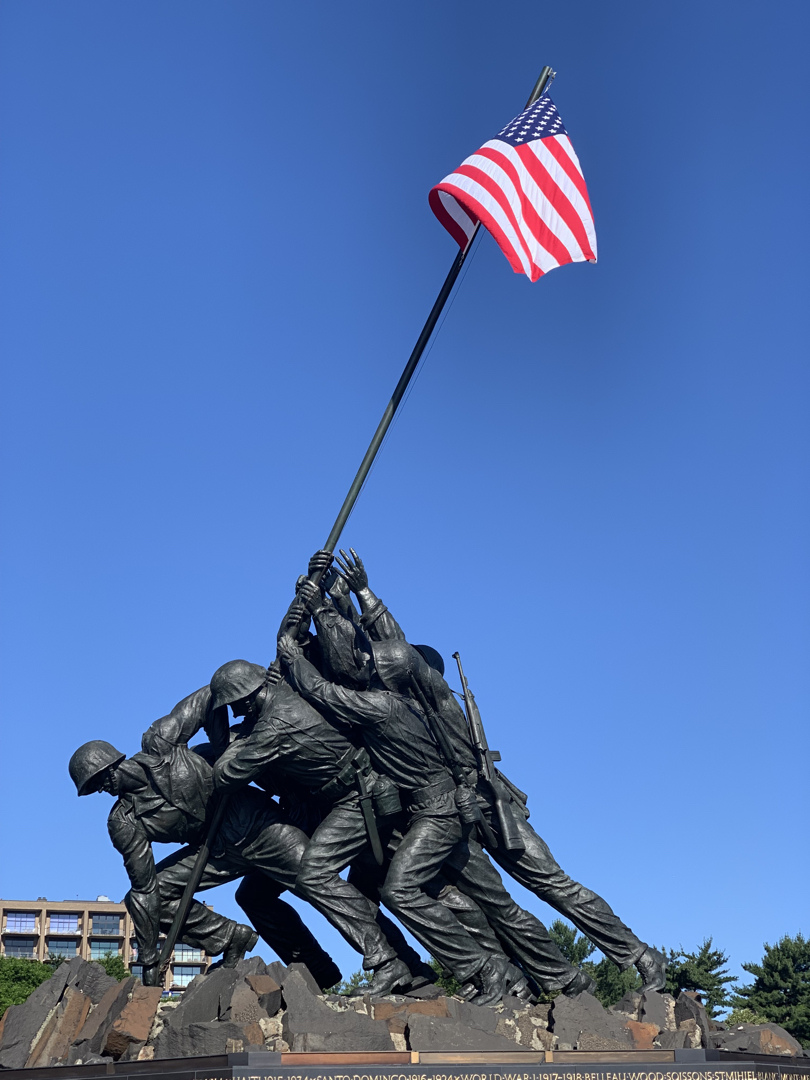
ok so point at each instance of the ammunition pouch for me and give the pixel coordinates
(385, 797)
(467, 805)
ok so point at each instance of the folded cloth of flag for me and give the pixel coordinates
(526, 187)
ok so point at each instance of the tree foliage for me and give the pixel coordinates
(114, 966)
(19, 978)
(354, 982)
(611, 983)
(449, 983)
(781, 987)
(704, 971)
(576, 948)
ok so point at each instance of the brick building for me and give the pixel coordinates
(92, 929)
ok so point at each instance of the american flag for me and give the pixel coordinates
(526, 187)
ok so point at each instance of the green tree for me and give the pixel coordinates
(576, 948)
(611, 982)
(449, 983)
(356, 981)
(781, 987)
(115, 966)
(704, 971)
(19, 978)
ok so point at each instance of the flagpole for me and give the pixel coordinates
(337, 529)
(413, 363)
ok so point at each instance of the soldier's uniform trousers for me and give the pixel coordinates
(437, 843)
(537, 870)
(255, 836)
(341, 840)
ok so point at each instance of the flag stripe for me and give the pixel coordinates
(478, 200)
(564, 152)
(549, 184)
(452, 215)
(548, 225)
(573, 190)
(509, 201)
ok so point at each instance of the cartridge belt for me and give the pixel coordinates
(431, 791)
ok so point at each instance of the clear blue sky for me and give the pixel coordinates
(216, 253)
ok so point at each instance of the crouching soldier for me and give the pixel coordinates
(163, 795)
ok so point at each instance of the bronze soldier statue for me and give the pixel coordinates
(530, 862)
(435, 838)
(164, 795)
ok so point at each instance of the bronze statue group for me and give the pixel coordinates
(349, 751)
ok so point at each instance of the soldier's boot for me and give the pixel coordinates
(580, 984)
(386, 978)
(652, 967)
(517, 984)
(491, 981)
(422, 975)
(243, 939)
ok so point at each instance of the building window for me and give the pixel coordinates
(185, 954)
(26, 947)
(137, 971)
(106, 924)
(64, 924)
(21, 922)
(133, 950)
(182, 974)
(58, 947)
(100, 949)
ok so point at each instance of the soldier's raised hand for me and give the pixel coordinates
(352, 570)
(296, 615)
(309, 594)
(319, 563)
(288, 651)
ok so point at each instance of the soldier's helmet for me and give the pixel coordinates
(432, 656)
(395, 662)
(90, 761)
(236, 680)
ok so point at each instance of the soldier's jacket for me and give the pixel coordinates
(289, 739)
(394, 730)
(163, 795)
(380, 625)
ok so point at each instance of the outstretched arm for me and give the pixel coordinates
(246, 758)
(184, 721)
(376, 619)
(359, 708)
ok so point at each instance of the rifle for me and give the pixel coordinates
(503, 806)
(469, 811)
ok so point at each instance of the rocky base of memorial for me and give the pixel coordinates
(81, 1016)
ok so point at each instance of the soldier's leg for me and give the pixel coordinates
(430, 839)
(203, 928)
(521, 934)
(283, 929)
(368, 877)
(538, 870)
(338, 840)
(467, 911)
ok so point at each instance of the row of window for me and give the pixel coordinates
(27, 947)
(25, 922)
